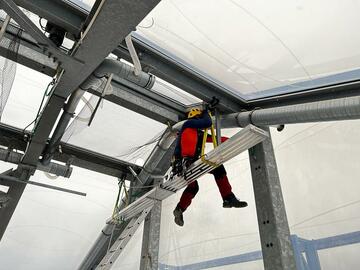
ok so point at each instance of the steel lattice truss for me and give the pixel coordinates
(95, 38)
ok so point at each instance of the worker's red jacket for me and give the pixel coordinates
(189, 141)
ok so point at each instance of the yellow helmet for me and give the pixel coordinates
(194, 112)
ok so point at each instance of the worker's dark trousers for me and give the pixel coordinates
(193, 188)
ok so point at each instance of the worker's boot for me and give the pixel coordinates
(178, 214)
(232, 201)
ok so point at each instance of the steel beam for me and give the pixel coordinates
(95, 46)
(100, 39)
(274, 230)
(58, 12)
(30, 58)
(152, 105)
(328, 92)
(16, 180)
(28, 54)
(15, 138)
(126, 94)
(182, 76)
(151, 239)
(65, 61)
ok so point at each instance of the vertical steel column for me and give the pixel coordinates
(299, 259)
(312, 256)
(151, 239)
(274, 230)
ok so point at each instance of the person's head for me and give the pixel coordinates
(194, 112)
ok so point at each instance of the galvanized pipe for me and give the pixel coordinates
(68, 113)
(320, 111)
(124, 71)
(120, 71)
(52, 168)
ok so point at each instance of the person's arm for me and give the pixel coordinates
(177, 151)
(203, 122)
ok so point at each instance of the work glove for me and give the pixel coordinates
(212, 104)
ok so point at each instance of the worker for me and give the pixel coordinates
(188, 150)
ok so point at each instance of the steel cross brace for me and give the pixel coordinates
(64, 60)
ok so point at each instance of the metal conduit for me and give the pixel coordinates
(52, 168)
(124, 71)
(68, 113)
(108, 66)
(321, 111)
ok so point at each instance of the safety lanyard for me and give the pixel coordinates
(213, 137)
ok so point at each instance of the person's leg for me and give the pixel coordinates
(222, 181)
(185, 200)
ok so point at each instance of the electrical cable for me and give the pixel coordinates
(46, 93)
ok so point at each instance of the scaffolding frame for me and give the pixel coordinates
(277, 250)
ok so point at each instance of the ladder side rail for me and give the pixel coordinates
(120, 243)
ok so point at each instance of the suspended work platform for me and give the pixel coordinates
(240, 142)
(138, 210)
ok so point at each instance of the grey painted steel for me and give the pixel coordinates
(64, 60)
(137, 102)
(52, 168)
(181, 76)
(16, 180)
(326, 92)
(95, 46)
(157, 155)
(273, 225)
(320, 111)
(15, 138)
(68, 113)
(124, 93)
(133, 92)
(15, 191)
(151, 239)
(57, 12)
(29, 54)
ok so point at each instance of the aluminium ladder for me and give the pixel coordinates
(115, 250)
(240, 142)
